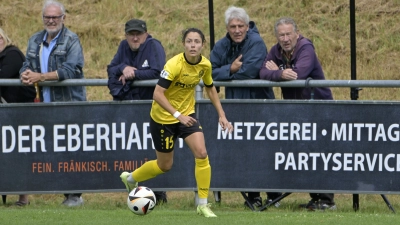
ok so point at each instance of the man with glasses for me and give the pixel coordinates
(139, 57)
(55, 54)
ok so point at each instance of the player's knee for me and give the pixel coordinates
(202, 155)
(165, 167)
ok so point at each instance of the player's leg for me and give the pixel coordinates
(148, 170)
(161, 134)
(196, 143)
(202, 166)
(153, 168)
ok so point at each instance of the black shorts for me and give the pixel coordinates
(165, 135)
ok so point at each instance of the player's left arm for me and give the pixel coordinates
(213, 95)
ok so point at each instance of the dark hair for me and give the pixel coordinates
(185, 33)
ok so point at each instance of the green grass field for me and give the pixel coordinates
(110, 208)
(174, 217)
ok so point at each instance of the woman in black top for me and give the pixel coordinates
(11, 59)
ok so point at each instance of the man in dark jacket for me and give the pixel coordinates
(238, 56)
(139, 57)
(294, 58)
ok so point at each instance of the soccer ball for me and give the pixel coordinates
(141, 200)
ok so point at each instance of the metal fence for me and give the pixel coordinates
(232, 83)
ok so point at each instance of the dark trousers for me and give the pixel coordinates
(323, 198)
(161, 197)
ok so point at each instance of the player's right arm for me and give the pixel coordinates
(159, 97)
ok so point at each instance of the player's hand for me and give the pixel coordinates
(224, 123)
(187, 120)
(236, 64)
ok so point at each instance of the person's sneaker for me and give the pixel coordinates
(277, 204)
(72, 201)
(256, 202)
(129, 186)
(311, 205)
(205, 210)
(324, 206)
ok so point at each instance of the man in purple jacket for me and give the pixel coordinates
(294, 58)
(139, 57)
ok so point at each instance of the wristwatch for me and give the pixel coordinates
(42, 78)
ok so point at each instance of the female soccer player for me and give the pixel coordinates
(172, 115)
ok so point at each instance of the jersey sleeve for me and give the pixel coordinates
(167, 75)
(168, 72)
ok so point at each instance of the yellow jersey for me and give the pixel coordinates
(183, 77)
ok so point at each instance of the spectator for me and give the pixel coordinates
(139, 57)
(173, 115)
(294, 58)
(11, 59)
(238, 56)
(55, 54)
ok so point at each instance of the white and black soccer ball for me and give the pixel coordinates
(141, 200)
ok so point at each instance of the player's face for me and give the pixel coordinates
(193, 44)
(135, 39)
(237, 30)
(287, 37)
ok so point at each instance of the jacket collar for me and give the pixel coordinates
(60, 40)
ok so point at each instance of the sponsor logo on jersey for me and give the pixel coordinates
(183, 85)
(201, 73)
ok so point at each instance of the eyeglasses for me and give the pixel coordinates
(55, 18)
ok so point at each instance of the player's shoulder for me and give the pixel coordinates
(205, 61)
(177, 59)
